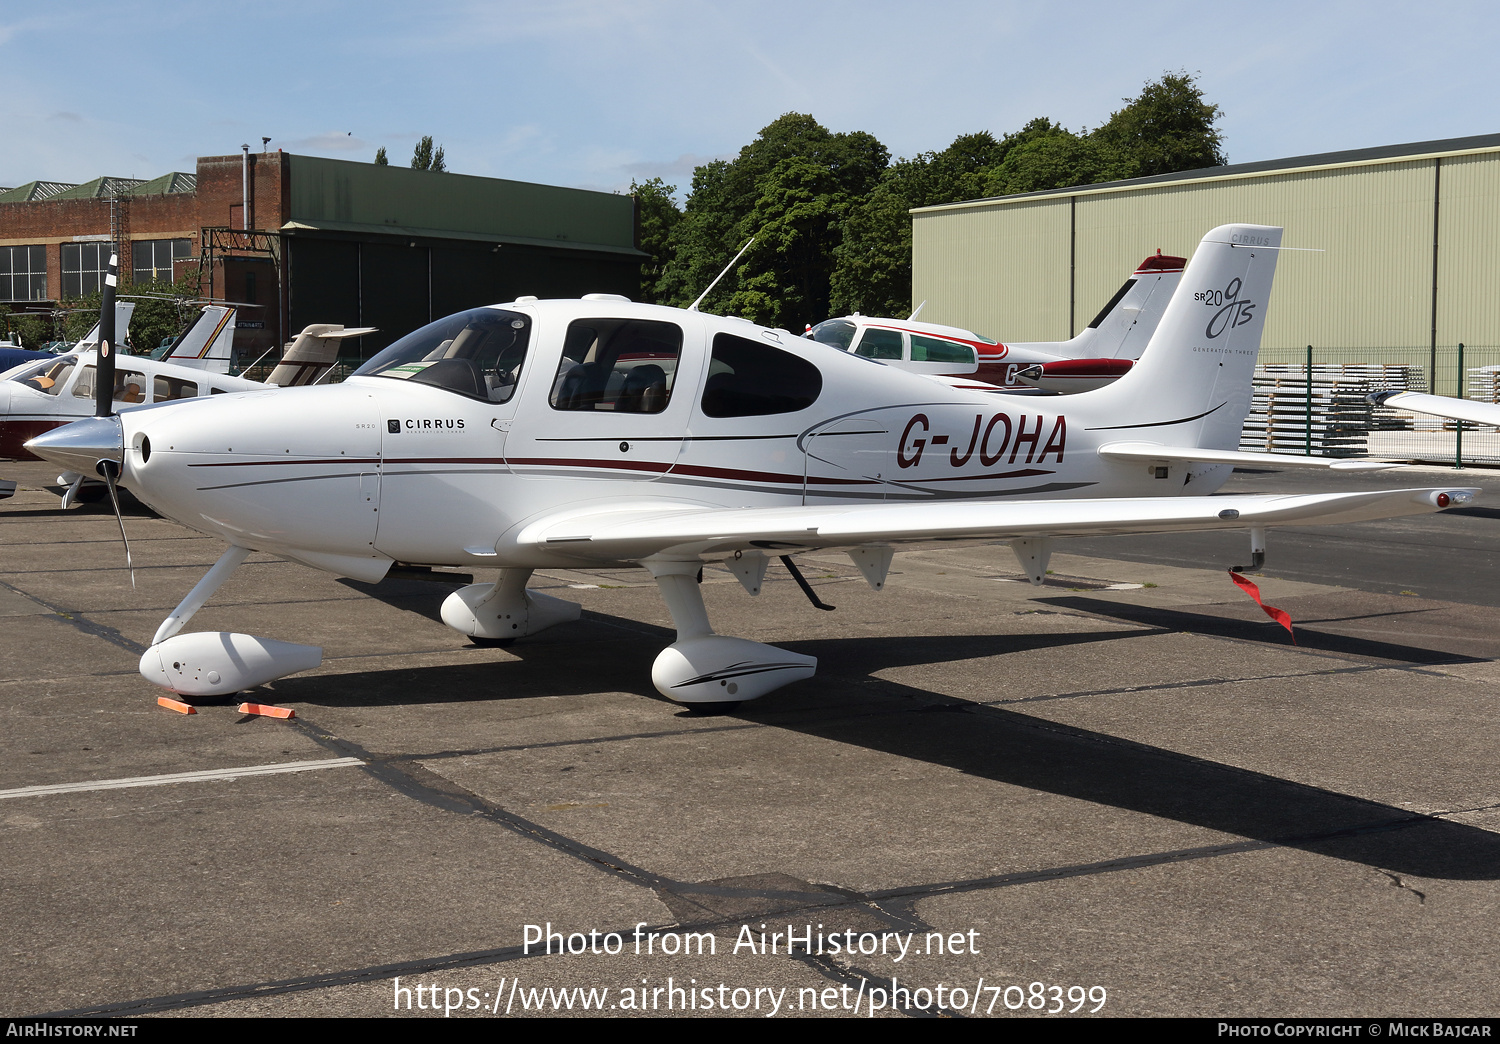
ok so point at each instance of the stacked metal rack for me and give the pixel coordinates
(1327, 417)
(1483, 384)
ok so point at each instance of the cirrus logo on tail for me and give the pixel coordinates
(1231, 311)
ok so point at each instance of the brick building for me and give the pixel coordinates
(323, 241)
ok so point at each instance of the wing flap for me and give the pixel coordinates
(1150, 452)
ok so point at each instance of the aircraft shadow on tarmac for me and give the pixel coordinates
(847, 705)
(1263, 631)
(129, 507)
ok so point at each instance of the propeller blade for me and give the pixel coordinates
(104, 371)
(110, 470)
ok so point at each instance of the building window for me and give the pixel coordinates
(23, 273)
(151, 259)
(83, 267)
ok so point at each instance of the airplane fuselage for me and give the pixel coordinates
(376, 469)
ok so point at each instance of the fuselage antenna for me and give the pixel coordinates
(694, 306)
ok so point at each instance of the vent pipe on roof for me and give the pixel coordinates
(245, 189)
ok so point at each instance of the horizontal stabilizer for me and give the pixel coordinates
(1149, 452)
(1440, 406)
(312, 354)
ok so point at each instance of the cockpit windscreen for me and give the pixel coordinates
(478, 353)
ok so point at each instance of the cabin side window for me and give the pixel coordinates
(750, 379)
(130, 386)
(623, 365)
(164, 389)
(933, 349)
(48, 376)
(879, 344)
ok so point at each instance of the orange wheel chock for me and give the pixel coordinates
(267, 710)
(176, 705)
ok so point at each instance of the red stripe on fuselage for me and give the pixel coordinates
(15, 433)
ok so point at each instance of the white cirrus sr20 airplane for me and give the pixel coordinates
(597, 432)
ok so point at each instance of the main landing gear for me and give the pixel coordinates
(701, 667)
(500, 613)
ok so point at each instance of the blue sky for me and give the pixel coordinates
(593, 94)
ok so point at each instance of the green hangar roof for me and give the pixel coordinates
(343, 196)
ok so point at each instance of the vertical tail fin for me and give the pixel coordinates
(1192, 384)
(123, 311)
(312, 354)
(1125, 326)
(208, 342)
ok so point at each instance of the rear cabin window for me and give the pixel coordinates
(621, 365)
(130, 385)
(750, 379)
(932, 349)
(164, 389)
(880, 344)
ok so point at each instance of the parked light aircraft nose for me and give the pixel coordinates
(599, 433)
(82, 445)
(241, 466)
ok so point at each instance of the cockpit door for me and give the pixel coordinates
(615, 403)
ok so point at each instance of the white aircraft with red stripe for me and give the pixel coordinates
(50, 392)
(1102, 352)
(601, 433)
(56, 390)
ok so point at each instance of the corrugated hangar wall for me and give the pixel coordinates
(1038, 267)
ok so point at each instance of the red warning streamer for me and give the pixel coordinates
(1281, 616)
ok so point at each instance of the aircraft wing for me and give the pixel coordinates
(1440, 406)
(631, 532)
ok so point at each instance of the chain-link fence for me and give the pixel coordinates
(1314, 401)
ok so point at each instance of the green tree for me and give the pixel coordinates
(784, 278)
(380, 157)
(872, 273)
(1168, 128)
(790, 188)
(1056, 161)
(423, 157)
(29, 331)
(161, 307)
(702, 241)
(656, 214)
